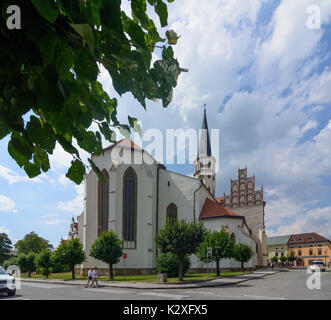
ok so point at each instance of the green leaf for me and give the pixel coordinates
(41, 159)
(167, 53)
(139, 10)
(32, 169)
(85, 31)
(86, 67)
(4, 130)
(162, 11)
(76, 172)
(16, 155)
(47, 47)
(96, 170)
(46, 9)
(21, 146)
(64, 60)
(105, 130)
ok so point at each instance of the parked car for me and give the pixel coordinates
(316, 265)
(7, 283)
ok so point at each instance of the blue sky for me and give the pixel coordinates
(266, 79)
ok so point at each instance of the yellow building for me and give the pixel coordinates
(277, 246)
(308, 247)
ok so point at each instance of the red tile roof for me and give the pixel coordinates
(212, 209)
(126, 143)
(306, 238)
(219, 199)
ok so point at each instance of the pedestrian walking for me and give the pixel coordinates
(89, 278)
(95, 277)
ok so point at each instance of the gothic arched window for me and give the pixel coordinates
(103, 203)
(172, 213)
(129, 208)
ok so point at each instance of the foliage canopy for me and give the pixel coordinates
(5, 247)
(49, 88)
(32, 243)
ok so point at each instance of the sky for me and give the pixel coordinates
(263, 69)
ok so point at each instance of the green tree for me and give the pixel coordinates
(44, 262)
(107, 248)
(169, 263)
(242, 253)
(50, 67)
(32, 243)
(222, 248)
(5, 247)
(26, 262)
(181, 239)
(10, 262)
(274, 259)
(282, 259)
(292, 257)
(70, 253)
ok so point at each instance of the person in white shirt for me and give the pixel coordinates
(90, 278)
(95, 277)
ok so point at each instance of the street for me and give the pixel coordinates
(280, 286)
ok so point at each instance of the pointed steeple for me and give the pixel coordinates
(204, 146)
(204, 164)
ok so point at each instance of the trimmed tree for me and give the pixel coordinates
(274, 259)
(292, 257)
(242, 253)
(169, 263)
(282, 259)
(27, 263)
(5, 247)
(107, 248)
(222, 248)
(32, 243)
(70, 253)
(44, 262)
(181, 239)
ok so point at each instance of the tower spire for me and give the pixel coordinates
(204, 146)
(204, 165)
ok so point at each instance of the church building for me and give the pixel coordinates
(137, 198)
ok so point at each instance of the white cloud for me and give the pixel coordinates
(64, 180)
(4, 230)
(75, 205)
(12, 177)
(318, 220)
(7, 204)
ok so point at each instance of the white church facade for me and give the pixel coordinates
(135, 201)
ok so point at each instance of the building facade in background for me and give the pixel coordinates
(277, 247)
(135, 201)
(308, 247)
(246, 201)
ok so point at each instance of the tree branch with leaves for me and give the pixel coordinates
(49, 88)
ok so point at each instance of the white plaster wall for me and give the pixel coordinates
(143, 255)
(234, 226)
(180, 192)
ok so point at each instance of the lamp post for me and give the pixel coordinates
(325, 257)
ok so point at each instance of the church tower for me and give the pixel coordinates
(204, 165)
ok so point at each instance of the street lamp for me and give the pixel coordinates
(325, 257)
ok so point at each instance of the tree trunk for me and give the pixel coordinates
(181, 267)
(111, 272)
(217, 268)
(73, 273)
(29, 274)
(242, 266)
